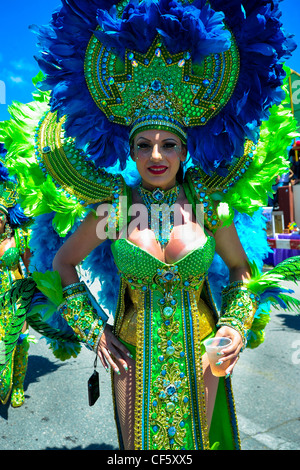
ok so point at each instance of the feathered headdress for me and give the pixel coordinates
(208, 71)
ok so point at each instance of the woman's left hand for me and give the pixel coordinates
(232, 352)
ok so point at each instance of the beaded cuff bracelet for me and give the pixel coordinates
(238, 308)
(87, 320)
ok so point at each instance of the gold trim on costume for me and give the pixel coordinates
(139, 392)
(202, 327)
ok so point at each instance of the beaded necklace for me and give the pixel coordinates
(160, 214)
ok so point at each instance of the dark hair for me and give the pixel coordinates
(181, 171)
(180, 174)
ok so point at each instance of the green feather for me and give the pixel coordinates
(13, 300)
(291, 302)
(63, 344)
(287, 270)
(49, 283)
(270, 159)
(65, 350)
(38, 324)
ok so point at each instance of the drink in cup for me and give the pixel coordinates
(213, 346)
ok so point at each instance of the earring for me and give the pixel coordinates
(8, 230)
(7, 233)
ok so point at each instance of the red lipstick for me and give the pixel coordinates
(157, 169)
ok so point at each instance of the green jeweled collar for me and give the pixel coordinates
(160, 215)
(159, 195)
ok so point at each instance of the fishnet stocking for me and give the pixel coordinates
(124, 386)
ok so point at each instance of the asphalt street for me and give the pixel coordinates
(56, 414)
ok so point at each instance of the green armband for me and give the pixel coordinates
(238, 308)
(83, 314)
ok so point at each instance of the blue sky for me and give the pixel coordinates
(18, 45)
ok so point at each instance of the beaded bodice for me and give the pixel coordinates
(142, 270)
(169, 315)
(10, 258)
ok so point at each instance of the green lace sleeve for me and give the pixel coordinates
(238, 308)
(83, 314)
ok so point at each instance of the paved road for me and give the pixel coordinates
(56, 414)
(267, 382)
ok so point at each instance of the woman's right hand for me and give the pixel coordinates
(112, 352)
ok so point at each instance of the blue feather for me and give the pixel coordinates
(100, 266)
(45, 242)
(17, 218)
(274, 296)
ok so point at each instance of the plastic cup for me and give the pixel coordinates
(212, 347)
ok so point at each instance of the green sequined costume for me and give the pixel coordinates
(161, 313)
(172, 331)
(13, 375)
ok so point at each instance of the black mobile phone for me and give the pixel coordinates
(93, 388)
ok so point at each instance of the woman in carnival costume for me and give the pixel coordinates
(180, 88)
(14, 262)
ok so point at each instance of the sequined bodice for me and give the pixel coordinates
(10, 258)
(141, 268)
(164, 319)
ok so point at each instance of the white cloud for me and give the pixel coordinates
(13, 78)
(22, 64)
(16, 79)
